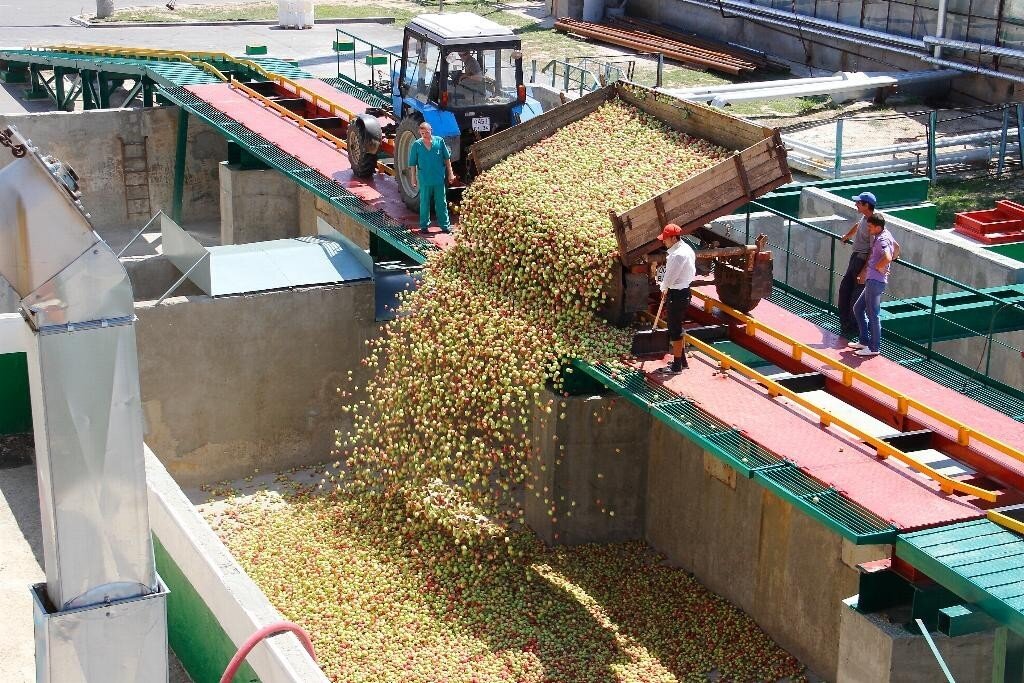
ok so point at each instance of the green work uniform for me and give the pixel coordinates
(430, 176)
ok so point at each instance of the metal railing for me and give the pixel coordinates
(928, 154)
(375, 56)
(965, 435)
(571, 78)
(883, 449)
(810, 271)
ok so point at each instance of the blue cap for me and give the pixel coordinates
(867, 198)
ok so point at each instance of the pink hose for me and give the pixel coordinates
(255, 638)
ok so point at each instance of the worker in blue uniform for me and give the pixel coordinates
(430, 165)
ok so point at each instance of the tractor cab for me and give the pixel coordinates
(460, 73)
(463, 75)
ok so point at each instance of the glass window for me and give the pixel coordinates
(422, 66)
(481, 77)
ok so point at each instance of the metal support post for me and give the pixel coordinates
(1008, 657)
(104, 83)
(533, 71)
(89, 99)
(38, 90)
(659, 78)
(933, 123)
(837, 170)
(1020, 133)
(147, 92)
(58, 87)
(831, 270)
(179, 165)
(1001, 163)
(935, 301)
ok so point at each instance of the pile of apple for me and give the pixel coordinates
(412, 562)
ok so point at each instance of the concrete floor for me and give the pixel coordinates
(21, 564)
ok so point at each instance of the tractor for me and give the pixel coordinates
(459, 72)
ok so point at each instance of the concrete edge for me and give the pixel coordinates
(841, 205)
(85, 22)
(15, 336)
(235, 600)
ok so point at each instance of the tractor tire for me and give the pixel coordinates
(363, 139)
(407, 133)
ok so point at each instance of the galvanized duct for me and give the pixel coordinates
(101, 615)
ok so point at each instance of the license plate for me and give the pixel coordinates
(482, 124)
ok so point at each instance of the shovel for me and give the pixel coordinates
(652, 341)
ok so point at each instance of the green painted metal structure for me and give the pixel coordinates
(956, 315)
(195, 635)
(16, 411)
(904, 195)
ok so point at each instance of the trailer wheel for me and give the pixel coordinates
(363, 139)
(407, 133)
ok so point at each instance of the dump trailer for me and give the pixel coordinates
(742, 273)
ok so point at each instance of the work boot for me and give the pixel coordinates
(678, 364)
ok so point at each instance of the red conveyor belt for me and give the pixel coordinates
(379, 192)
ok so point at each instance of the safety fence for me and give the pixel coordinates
(937, 142)
(929, 320)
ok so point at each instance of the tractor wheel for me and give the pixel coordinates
(363, 139)
(408, 132)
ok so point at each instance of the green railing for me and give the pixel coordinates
(571, 78)
(371, 72)
(811, 270)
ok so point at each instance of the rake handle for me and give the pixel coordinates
(657, 317)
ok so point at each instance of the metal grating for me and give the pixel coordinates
(826, 504)
(359, 91)
(766, 468)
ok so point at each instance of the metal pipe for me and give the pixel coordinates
(803, 22)
(970, 68)
(983, 48)
(983, 137)
(940, 28)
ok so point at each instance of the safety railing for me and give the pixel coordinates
(571, 78)
(811, 269)
(882, 449)
(972, 136)
(375, 57)
(198, 59)
(798, 351)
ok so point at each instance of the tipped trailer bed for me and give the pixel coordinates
(757, 166)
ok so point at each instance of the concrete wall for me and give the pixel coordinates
(125, 160)
(257, 205)
(873, 649)
(822, 52)
(238, 383)
(589, 483)
(786, 570)
(942, 251)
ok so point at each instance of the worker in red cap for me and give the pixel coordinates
(680, 269)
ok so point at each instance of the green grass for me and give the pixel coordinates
(952, 196)
(261, 11)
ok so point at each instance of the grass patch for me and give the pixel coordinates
(952, 196)
(260, 11)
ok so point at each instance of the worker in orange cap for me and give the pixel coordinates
(680, 269)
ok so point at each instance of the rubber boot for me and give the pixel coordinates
(678, 359)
